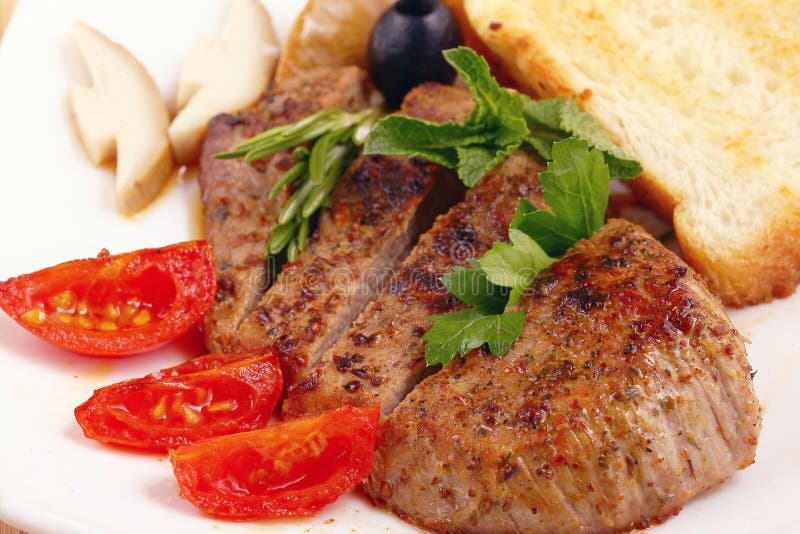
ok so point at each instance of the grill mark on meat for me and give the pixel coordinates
(606, 437)
(377, 211)
(237, 212)
(387, 335)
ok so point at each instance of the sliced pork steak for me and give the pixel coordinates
(237, 212)
(628, 393)
(381, 357)
(376, 214)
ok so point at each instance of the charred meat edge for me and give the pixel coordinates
(628, 393)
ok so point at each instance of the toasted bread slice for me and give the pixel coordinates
(705, 94)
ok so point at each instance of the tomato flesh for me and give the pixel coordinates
(287, 469)
(213, 395)
(115, 305)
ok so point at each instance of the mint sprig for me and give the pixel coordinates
(501, 122)
(575, 189)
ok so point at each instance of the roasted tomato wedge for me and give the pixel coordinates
(208, 396)
(115, 305)
(292, 468)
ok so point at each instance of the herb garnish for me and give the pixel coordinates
(501, 122)
(575, 187)
(581, 160)
(336, 136)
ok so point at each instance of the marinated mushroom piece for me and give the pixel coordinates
(223, 75)
(121, 114)
(405, 48)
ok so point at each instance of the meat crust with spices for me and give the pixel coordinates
(382, 356)
(237, 212)
(628, 393)
(376, 214)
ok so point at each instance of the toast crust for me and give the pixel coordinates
(712, 116)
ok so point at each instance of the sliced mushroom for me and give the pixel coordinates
(224, 75)
(121, 114)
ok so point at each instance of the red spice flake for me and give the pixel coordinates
(403, 475)
(494, 26)
(720, 330)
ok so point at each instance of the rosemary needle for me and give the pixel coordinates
(334, 137)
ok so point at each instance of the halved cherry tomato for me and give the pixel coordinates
(209, 396)
(292, 468)
(115, 305)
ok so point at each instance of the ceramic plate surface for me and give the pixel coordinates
(55, 206)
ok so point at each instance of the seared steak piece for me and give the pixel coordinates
(237, 212)
(382, 357)
(377, 212)
(628, 393)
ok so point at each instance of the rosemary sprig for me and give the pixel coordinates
(335, 137)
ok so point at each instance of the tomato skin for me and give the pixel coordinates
(115, 305)
(209, 396)
(289, 469)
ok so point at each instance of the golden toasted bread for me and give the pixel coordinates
(705, 94)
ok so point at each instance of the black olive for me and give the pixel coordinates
(406, 44)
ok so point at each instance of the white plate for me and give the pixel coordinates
(55, 206)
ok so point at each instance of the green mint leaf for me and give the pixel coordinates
(475, 161)
(475, 72)
(497, 110)
(582, 125)
(495, 127)
(514, 264)
(398, 135)
(470, 285)
(466, 330)
(576, 186)
(544, 116)
(554, 119)
(543, 147)
(624, 169)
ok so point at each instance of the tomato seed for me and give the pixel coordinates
(62, 301)
(63, 318)
(111, 312)
(160, 409)
(191, 416)
(34, 316)
(222, 406)
(141, 318)
(107, 326)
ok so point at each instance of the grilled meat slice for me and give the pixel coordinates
(237, 212)
(381, 357)
(628, 393)
(377, 212)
